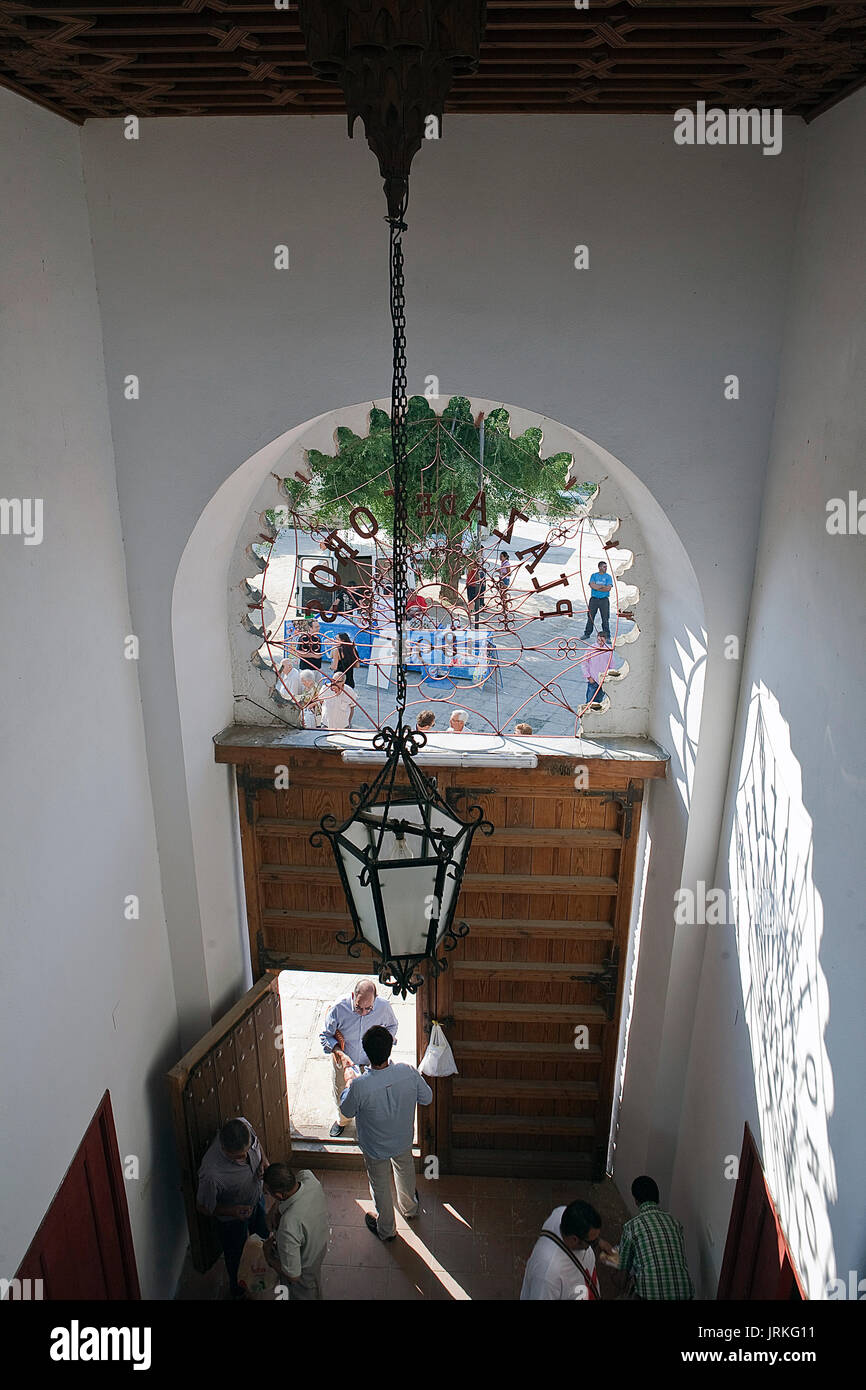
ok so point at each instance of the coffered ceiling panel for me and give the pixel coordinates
(224, 57)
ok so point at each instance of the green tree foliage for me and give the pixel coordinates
(443, 462)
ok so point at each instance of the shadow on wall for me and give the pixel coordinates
(688, 687)
(780, 920)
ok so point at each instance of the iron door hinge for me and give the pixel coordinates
(605, 982)
(250, 786)
(626, 801)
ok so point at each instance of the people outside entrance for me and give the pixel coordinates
(230, 1182)
(310, 699)
(600, 585)
(342, 1036)
(476, 586)
(308, 646)
(597, 665)
(338, 706)
(382, 1101)
(345, 657)
(503, 573)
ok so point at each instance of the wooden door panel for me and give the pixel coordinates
(237, 1068)
(757, 1263)
(547, 899)
(83, 1248)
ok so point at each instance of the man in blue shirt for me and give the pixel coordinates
(383, 1101)
(341, 1037)
(600, 585)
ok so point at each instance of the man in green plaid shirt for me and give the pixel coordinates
(651, 1248)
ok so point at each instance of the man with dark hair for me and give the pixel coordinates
(383, 1101)
(426, 721)
(562, 1263)
(341, 1036)
(300, 1240)
(651, 1248)
(600, 585)
(230, 1190)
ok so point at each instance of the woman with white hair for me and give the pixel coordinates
(310, 699)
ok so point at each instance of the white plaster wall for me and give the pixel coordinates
(231, 353)
(689, 254)
(86, 997)
(806, 648)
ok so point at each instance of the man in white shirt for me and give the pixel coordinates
(457, 722)
(337, 704)
(383, 1102)
(562, 1263)
(300, 1241)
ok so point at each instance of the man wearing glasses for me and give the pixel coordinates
(347, 1022)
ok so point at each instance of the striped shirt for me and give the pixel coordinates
(652, 1248)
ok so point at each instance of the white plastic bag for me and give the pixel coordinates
(438, 1060)
(255, 1275)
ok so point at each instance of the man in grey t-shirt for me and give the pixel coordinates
(382, 1102)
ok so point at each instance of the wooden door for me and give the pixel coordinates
(547, 899)
(531, 1001)
(758, 1265)
(83, 1248)
(237, 1068)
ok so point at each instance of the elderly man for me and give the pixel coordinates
(337, 704)
(457, 722)
(300, 1241)
(342, 1035)
(230, 1182)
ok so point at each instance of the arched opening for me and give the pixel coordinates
(207, 607)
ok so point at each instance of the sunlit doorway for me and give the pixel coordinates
(306, 998)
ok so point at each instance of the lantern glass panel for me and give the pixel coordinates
(417, 881)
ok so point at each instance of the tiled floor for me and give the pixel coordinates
(470, 1242)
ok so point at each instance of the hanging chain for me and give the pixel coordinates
(399, 435)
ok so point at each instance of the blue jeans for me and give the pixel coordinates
(602, 606)
(594, 693)
(233, 1235)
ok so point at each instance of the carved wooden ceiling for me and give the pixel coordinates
(246, 57)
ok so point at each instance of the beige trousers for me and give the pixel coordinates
(309, 1286)
(379, 1175)
(339, 1087)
